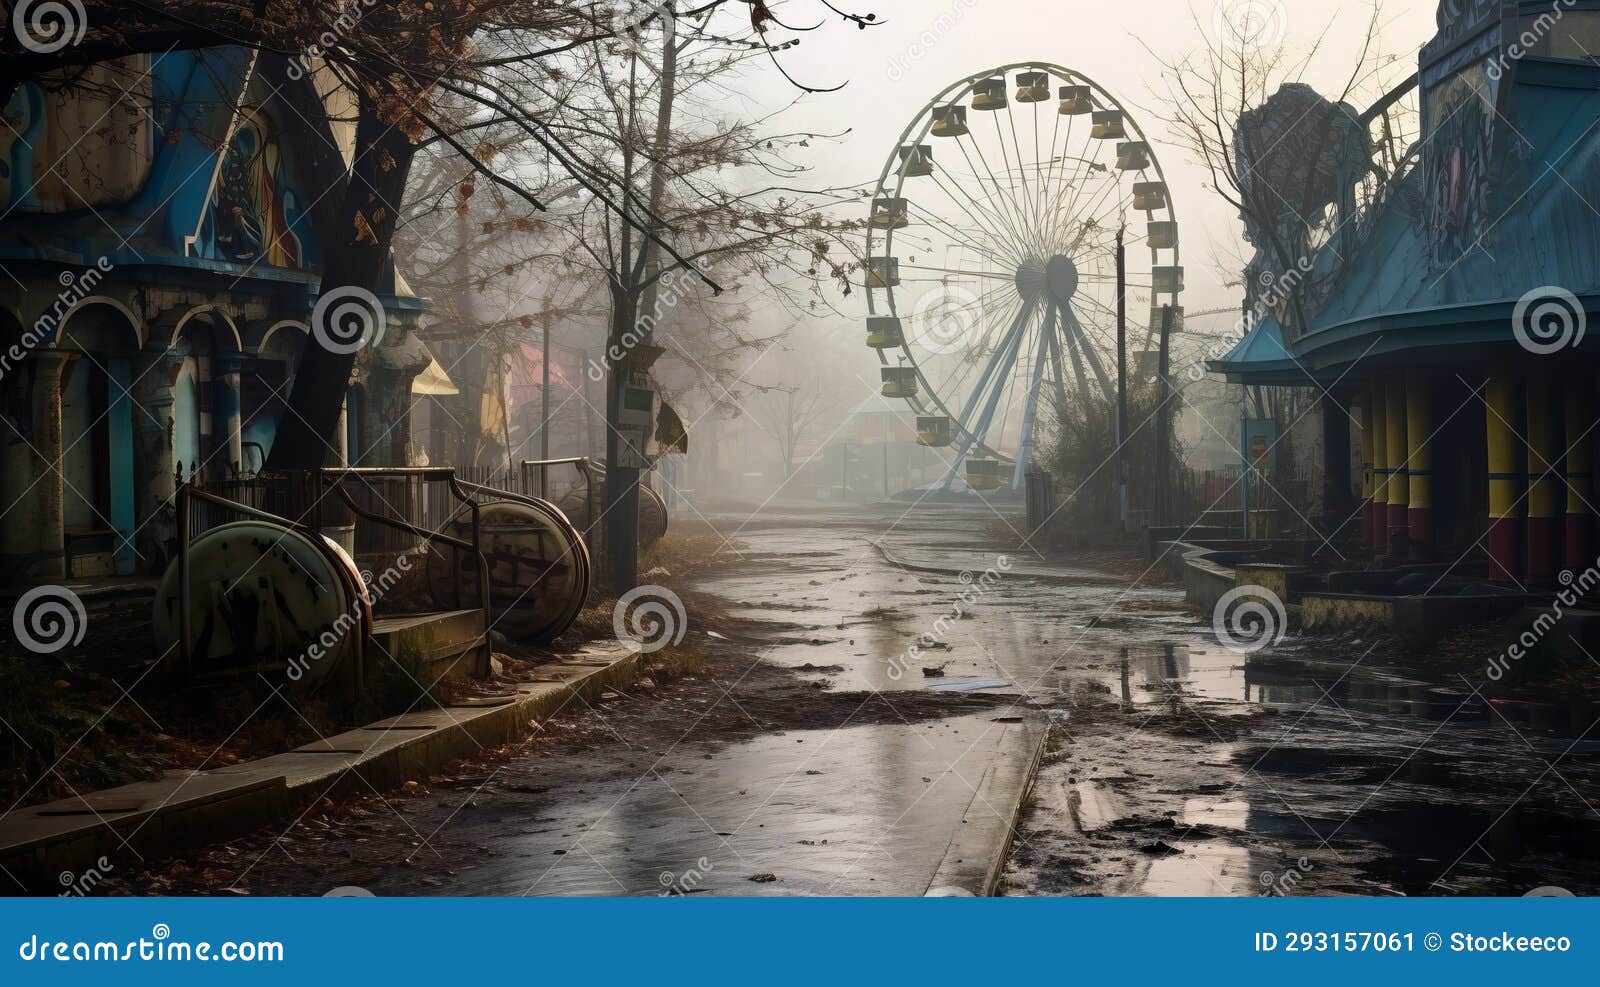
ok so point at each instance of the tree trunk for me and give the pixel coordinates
(355, 260)
(621, 525)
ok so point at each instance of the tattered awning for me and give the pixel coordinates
(671, 435)
(434, 382)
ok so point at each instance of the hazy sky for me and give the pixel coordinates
(1105, 41)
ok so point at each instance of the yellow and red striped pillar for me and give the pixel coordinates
(1399, 498)
(1368, 529)
(1419, 462)
(1578, 543)
(1380, 465)
(1544, 459)
(1505, 480)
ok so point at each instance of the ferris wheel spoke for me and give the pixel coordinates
(1048, 171)
(994, 275)
(1026, 203)
(1020, 208)
(1095, 303)
(963, 239)
(1046, 181)
(1001, 200)
(957, 377)
(1026, 174)
(1038, 170)
(1112, 279)
(1083, 168)
(1003, 291)
(1085, 229)
(1089, 166)
(1062, 217)
(998, 226)
(984, 218)
(1118, 209)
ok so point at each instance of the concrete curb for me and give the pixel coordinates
(41, 844)
(974, 863)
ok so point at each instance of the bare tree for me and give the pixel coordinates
(1301, 168)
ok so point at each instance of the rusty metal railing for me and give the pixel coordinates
(445, 475)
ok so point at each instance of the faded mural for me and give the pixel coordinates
(1460, 129)
(256, 210)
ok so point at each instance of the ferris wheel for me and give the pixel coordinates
(991, 259)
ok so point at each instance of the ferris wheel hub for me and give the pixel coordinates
(1056, 277)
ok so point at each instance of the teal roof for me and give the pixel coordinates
(1262, 357)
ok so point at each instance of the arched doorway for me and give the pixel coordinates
(264, 388)
(186, 420)
(206, 433)
(96, 463)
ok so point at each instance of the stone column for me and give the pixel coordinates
(1368, 481)
(1505, 480)
(1398, 519)
(1336, 483)
(49, 512)
(1578, 543)
(1544, 458)
(155, 462)
(341, 438)
(1380, 464)
(1419, 429)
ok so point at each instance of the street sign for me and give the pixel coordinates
(1259, 442)
(634, 426)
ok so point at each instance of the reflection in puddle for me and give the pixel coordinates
(1211, 812)
(1201, 870)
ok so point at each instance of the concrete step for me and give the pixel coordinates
(433, 645)
(95, 593)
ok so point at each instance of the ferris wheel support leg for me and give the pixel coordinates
(1074, 350)
(1059, 369)
(1030, 411)
(1005, 356)
(1088, 351)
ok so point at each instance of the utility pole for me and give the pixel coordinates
(1163, 416)
(1122, 381)
(544, 415)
